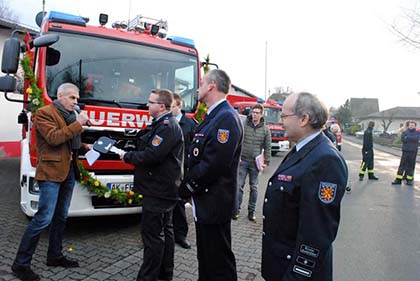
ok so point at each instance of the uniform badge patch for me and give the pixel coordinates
(285, 178)
(327, 191)
(222, 135)
(156, 141)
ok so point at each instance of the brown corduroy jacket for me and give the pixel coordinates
(53, 144)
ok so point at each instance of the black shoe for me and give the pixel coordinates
(409, 183)
(24, 273)
(183, 243)
(360, 178)
(63, 262)
(372, 177)
(348, 189)
(252, 218)
(395, 182)
(235, 216)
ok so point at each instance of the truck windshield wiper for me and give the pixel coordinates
(116, 102)
(98, 101)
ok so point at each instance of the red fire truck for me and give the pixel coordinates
(272, 111)
(116, 69)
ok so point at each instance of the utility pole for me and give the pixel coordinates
(43, 7)
(265, 72)
(129, 11)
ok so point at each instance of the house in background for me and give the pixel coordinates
(241, 92)
(362, 107)
(395, 117)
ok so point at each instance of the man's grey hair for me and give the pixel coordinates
(221, 79)
(66, 87)
(309, 104)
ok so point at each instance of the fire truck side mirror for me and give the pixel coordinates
(46, 40)
(7, 84)
(10, 59)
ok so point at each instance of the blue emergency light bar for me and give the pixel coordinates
(66, 18)
(182, 41)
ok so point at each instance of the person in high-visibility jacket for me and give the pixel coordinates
(367, 153)
(410, 145)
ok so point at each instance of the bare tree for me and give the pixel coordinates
(387, 120)
(407, 26)
(6, 12)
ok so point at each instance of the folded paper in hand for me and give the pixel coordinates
(259, 161)
(92, 156)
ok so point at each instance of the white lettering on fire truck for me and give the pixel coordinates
(113, 119)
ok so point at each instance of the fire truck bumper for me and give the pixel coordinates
(278, 146)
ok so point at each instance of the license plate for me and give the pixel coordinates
(122, 186)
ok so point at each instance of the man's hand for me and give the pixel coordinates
(82, 118)
(88, 146)
(122, 155)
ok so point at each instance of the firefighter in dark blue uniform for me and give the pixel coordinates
(410, 146)
(367, 154)
(211, 179)
(301, 208)
(188, 127)
(158, 173)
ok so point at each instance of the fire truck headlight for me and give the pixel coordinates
(33, 186)
(103, 19)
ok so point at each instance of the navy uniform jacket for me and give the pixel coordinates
(410, 140)
(301, 213)
(213, 165)
(158, 163)
(367, 140)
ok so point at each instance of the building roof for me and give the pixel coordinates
(5, 23)
(362, 107)
(399, 112)
(239, 91)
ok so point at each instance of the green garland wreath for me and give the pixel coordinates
(34, 92)
(86, 179)
(93, 185)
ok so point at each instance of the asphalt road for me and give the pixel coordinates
(377, 239)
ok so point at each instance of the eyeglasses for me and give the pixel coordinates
(256, 112)
(282, 116)
(154, 102)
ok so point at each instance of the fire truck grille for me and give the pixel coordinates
(277, 134)
(126, 140)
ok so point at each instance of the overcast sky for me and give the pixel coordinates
(336, 49)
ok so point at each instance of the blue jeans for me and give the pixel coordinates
(53, 207)
(247, 168)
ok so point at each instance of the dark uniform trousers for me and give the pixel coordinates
(158, 240)
(407, 165)
(216, 261)
(180, 221)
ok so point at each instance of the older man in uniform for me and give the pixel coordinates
(158, 172)
(302, 201)
(212, 179)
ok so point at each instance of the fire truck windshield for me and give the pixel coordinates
(118, 73)
(272, 115)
